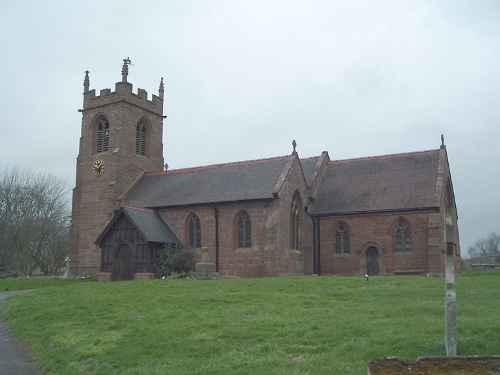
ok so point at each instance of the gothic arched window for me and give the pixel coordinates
(194, 231)
(403, 236)
(244, 230)
(342, 240)
(102, 135)
(141, 138)
(294, 222)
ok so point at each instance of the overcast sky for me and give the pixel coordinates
(245, 78)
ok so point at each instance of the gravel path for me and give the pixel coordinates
(14, 360)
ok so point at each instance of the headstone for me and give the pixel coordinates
(67, 274)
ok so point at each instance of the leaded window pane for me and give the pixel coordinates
(403, 237)
(346, 243)
(407, 240)
(194, 232)
(399, 241)
(244, 231)
(338, 242)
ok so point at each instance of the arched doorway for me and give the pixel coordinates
(123, 265)
(372, 266)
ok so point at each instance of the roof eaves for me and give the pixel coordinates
(213, 203)
(370, 212)
(109, 225)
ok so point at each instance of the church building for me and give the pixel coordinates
(284, 215)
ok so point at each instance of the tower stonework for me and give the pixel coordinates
(121, 139)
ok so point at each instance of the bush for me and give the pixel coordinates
(174, 260)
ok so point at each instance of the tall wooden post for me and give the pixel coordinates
(450, 298)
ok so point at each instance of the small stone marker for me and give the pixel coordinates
(205, 270)
(67, 274)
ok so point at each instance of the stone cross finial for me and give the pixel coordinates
(294, 144)
(126, 63)
(86, 82)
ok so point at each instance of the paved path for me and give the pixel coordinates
(14, 360)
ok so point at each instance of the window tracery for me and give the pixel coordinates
(342, 240)
(403, 236)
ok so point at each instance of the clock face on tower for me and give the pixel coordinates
(98, 167)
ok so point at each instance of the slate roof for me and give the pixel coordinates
(241, 181)
(383, 183)
(151, 225)
(308, 166)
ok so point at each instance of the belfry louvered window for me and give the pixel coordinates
(141, 138)
(102, 138)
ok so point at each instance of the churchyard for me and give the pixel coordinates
(286, 325)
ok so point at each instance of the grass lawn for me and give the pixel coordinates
(289, 325)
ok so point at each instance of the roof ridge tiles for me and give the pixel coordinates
(311, 158)
(203, 167)
(138, 208)
(385, 156)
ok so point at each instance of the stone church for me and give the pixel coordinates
(276, 216)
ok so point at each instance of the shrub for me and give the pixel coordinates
(174, 260)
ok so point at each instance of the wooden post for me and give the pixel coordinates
(450, 298)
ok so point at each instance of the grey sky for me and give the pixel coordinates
(244, 78)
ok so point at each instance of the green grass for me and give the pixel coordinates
(289, 325)
(24, 283)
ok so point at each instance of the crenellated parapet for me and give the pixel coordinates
(123, 93)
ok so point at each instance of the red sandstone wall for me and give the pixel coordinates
(95, 197)
(376, 230)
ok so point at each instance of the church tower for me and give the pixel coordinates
(121, 139)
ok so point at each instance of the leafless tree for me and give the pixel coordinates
(34, 218)
(490, 245)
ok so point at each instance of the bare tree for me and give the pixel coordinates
(34, 218)
(490, 245)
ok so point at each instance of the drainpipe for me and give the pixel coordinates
(319, 245)
(314, 247)
(216, 215)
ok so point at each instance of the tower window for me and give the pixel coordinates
(102, 139)
(140, 138)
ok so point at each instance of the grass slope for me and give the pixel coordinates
(302, 325)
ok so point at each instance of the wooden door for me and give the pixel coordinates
(372, 261)
(123, 264)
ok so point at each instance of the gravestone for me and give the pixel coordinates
(67, 274)
(205, 270)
